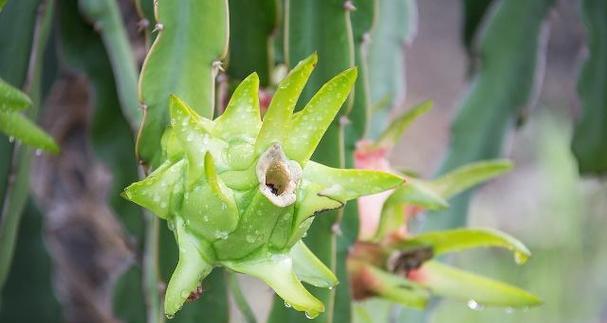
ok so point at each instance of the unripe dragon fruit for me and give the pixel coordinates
(241, 193)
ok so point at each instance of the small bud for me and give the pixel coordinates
(349, 6)
(158, 27)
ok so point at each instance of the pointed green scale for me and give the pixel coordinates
(309, 204)
(468, 238)
(254, 229)
(194, 135)
(277, 271)
(467, 176)
(309, 125)
(397, 127)
(154, 192)
(241, 118)
(191, 269)
(347, 184)
(11, 99)
(200, 206)
(419, 193)
(457, 284)
(310, 269)
(276, 120)
(282, 231)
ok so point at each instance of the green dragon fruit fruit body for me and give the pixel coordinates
(241, 193)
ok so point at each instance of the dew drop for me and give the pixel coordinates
(170, 316)
(473, 305)
(310, 316)
(221, 235)
(287, 304)
(171, 225)
(520, 258)
(11, 139)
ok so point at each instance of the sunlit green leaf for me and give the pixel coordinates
(16, 125)
(397, 127)
(11, 99)
(478, 291)
(462, 239)
(467, 176)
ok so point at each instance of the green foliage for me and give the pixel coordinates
(17, 126)
(461, 239)
(589, 144)
(476, 290)
(499, 91)
(16, 188)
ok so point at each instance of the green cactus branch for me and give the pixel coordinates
(182, 61)
(252, 29)
(503, 86)
(105, 17)
(589, 145)
(17, 189)
(396, 26)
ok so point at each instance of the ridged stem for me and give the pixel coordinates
(17, 189)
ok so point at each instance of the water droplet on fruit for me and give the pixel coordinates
(310, 316)
(287, 304)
